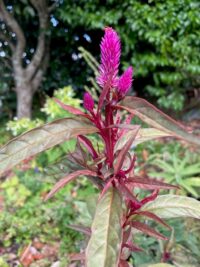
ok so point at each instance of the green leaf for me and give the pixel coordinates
(172, 206)
(42, 138)
(156, 118)
(103, 249)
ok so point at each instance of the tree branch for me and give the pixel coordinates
(11, 22)
(37, 79)
(5, 38)
(53, 6)
(42, 10)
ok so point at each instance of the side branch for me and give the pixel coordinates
(43, 15)
(11, 22)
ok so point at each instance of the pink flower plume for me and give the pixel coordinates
(110, 56)
(125, 81)
(88, 102)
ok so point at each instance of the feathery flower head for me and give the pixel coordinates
(88, 102)
(110, 56)
(125, 82)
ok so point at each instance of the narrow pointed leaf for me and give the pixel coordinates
(103, 249)
(172, 206)
(149, 183)
(122, 154)
(133, 247)
(71, 109)
(156, 118)
(126, 192)
(143, 135)
(153, 217)
(42, 138)
(68, 179)
(147, 230)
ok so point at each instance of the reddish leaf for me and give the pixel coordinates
(103, 96)
(127, 193)
(156, 118)
(122, 154)
(88, 144)
(80, 228)
(71, 109)
(132, 247)
(149, 183)
(153, 217)
(150, 198)
(68, 179)
(147, 230)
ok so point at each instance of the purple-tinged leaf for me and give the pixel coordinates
(150, 198)
(126, 192)
(103, 96)
(122, 154)
(104, 248)
(143, 135)
(147, 230)
(153, 217)
(132, 247)
(71, 109)
(156, 118)
(88, 144)
(42, 138)
(149, 183)
(80, 228)
(68, 179)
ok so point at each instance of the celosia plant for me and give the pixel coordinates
(119, 211)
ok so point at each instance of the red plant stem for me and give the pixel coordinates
(109, 144)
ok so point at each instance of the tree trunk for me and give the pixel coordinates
(24, 101)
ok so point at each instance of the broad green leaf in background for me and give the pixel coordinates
(156, 118)
(103, 249)
(143, 135)
(42, 138)
(172, 206)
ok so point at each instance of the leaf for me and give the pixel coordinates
(172, 206)
(103, 249)
(147, 230)
(126, 192)
(68, 179)
(122, 154)
(42, 138)
(143, 135)
(150, 183)
(71, 109)
(153, 217)
(156, 118)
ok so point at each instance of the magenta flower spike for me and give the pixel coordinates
(125, 82)
(88, 102)
(110, 56)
